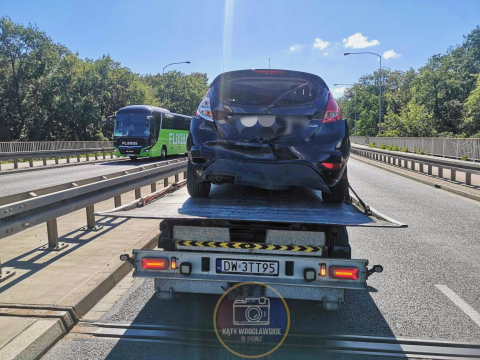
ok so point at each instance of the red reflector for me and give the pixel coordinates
(345, 273)
(269, 71)
(333, 166)
(154, 264)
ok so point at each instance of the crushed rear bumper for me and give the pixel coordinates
(272, 176)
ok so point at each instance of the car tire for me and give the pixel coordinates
(338, 192)
(164, 153)
(196, 189)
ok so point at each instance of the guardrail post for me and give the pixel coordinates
(468, 178)
(412, 165)
(96, 155)
(138, 193)
(78, 158)
(184, 175)
(165, 182)
(15, 163)
(111, 155)
(153, 187)
(421, 168)
(440, 172)
(104, 156)
(118, 200)
(453, 175)
(56, 160)
(91, 220)
(429, 169)
(176, 178)
(52, 232)
(68, 159)
(6, 273)
(88, 157)
(30, 161)
(44, 160)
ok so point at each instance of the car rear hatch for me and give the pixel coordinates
(267, 106)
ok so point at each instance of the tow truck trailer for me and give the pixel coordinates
(289, 239)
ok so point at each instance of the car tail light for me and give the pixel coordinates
(270, 71)
(333, 166)
(344, 273)
(204, 109)
(154, 264)
(332, 113)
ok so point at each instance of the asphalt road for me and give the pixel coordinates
(441, 246)
(28, 181)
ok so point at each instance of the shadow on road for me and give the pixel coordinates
(140, 161)
(360, 316)
(33, 264)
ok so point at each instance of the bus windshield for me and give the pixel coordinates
(132, 125)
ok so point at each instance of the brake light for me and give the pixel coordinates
(269, 71)
(332, 113)
(333, 166)
(344, 273)
(154, 264)
(204, 109)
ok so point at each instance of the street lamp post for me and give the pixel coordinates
(380, 86)
(163, 76)
(355, 106)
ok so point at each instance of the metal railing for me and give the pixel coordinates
(56, 153)
(31, 209)
(411, 160)
(445, 147)
(30, 146)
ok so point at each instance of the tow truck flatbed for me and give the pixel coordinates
(242, 203)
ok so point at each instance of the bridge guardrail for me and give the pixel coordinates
(33, 146)
(444, 147)
(23, 214)
(395, 158)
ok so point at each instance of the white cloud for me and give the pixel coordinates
(320, 44)
(296, 47)
(340, 90)
(325, 54)
(390, 54)
(358, 41)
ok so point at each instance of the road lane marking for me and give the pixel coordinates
(457, 300)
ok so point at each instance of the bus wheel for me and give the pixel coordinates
(164, 153)
(196, 189)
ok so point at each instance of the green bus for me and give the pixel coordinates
(150, 131)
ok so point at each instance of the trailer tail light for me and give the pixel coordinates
(344, 273)
(323, 270)
(173, 263)
(154, 264)
(332, 112)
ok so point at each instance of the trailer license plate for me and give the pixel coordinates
(247, 267)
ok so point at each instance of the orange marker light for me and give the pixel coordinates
(154, 264)
(173, 263)
(323, 270)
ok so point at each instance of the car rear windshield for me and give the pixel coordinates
(262, 91)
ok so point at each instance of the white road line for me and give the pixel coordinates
(457, 300)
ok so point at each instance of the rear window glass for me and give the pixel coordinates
(258, 91)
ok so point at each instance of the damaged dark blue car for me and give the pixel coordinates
(271, 129)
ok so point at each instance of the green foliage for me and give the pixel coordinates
(393, 148)
(383, 147)
(442, 97)
(372, 145)
(464, 157)
(404, 149)
(50, 93)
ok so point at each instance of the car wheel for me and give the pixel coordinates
(164, 153)
(338, 192)
(196, 189)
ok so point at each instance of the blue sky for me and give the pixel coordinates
(311, 36)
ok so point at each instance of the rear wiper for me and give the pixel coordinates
(275, 102)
